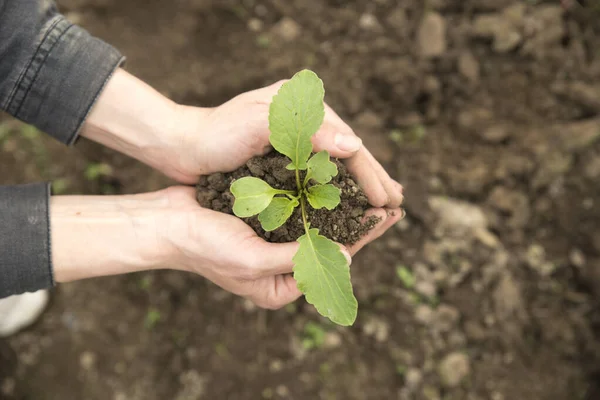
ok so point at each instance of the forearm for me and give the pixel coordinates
(93, 236)
(135, 119)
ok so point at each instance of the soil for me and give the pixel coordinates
(486, 111)
(345, 224)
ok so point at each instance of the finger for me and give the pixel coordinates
(394, 189)
(336, 136)
(278, 292)
(368, 179)
(275, 258)
(388, 218)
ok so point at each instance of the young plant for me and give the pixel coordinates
(320, 269)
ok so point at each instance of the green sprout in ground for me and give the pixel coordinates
(320, 268)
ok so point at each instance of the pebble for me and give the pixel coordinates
(369, 22)
(287, 29)
(413, 379)
(378, 328)
(332, 340)
(425, 288)
(577, 258)
(255, 25)
(453, 369)
(424, 314)
(446, 318)
(87, 360)
(468, 66)
(431, 36)
(495, 134)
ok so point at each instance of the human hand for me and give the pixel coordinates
(95, 236)
(225, 250)
(224, 138)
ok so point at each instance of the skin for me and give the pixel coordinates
(96, 236)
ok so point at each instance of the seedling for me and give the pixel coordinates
(320, 269)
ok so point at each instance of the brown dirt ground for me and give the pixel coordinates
(486, 110)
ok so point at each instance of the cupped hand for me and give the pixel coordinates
(225, 250)
(224, 138)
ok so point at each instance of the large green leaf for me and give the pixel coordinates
(323, 275)
(275, 215)
(320, 196)
(252, 195)
(320, 168)
(296, 113)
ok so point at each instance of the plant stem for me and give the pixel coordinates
(302, 206)
(298, 182)
(301, 195)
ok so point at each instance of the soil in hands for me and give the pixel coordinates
(346, 224)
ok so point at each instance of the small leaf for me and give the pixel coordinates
(323, 275)
(295, 115)
(275, 215)
(327, 196)
(407, 278)
(320, 168)
(252, 195)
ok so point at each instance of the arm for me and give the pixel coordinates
(51, 73)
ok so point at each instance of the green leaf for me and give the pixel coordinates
(407, 278)
(323, 275)
(296, 113)
(252, 195)
(320, 196)
(275, 215)
(320, 168)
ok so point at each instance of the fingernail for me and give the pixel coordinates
(403, 211)
(349, 143)
(347, 255)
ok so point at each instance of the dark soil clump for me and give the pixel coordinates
(345, 224)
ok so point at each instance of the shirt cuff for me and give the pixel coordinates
(64, 78)
(25, 258)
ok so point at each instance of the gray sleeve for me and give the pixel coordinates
(51, 71)
(25, 259)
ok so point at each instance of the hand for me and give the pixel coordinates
(186, 142)
(224, 138)
(225, 250)
(95, 236)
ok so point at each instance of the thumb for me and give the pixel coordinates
(339, 143)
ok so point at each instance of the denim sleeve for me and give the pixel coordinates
(25, 259)
(51, 73)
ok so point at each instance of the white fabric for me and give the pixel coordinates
(18, 312)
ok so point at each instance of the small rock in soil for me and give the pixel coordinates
(495, 134)
(369, 22)
(431, 36)
(413, 379)
(87, 360)
(378, 328)
(424, 314)
(332, 340)
(468, 66)
(453, 369)
(287, 29)
(446, 317)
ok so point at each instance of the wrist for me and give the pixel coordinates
(134, 119)
(93, 236)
